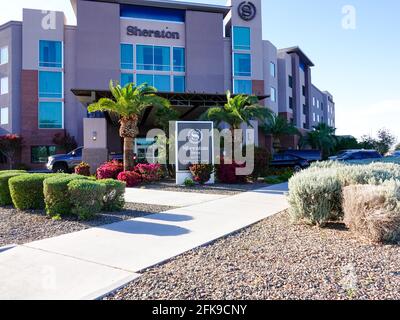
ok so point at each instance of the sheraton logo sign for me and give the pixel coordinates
(163, 34)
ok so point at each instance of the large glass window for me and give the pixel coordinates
(3, 55)
(242, 65)
(40, 154)
(126, 78)
(50, 84)
(50, 115)
(153, 58)
(273, 94)
(272, 69)
(162, 83)
(4, 116)
(152, 13)
(4, 85)
(243, 87)
(144, 78)
(50, 54)
(179, 59)
(241, 38)
(126, 56)
(179, 84)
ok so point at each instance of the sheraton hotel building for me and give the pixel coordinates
(192, 53)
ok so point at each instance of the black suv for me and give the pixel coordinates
(359, 155)
(289, 161)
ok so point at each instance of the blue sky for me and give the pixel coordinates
(360, 66)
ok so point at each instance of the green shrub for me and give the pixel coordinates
(11, 171)
(315, 196)
(189, 183)
(86, 197)
(56, 196)
(27, 190)
(5, 197)
(113, 199)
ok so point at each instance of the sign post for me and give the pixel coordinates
(194, 144)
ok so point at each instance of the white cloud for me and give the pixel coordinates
(361, 120)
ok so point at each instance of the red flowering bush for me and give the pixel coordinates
(109, 170)
(226, 172)
(83, 169)
(149, 172)
(202, 172)
(131, 178)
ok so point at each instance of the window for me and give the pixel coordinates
(313, 101)
(126, 78)
(50, 84)
(153, 58)
(242, 63)
(40, 154)
(314, 116)
(305, 109)
(50, 115)
(243, 87)
(290, 102)
(304, 90)
(152, 13)
(4, 116)
(162, 83)
(179, 84)
(144, 78)
(273, 94)
(322, 106)
(317, 104)
(302, 66)
(318, 118)
(3, 55)
(290, 82)
(241, 38)
(272, 69)
(4, 85)
(126, 56)
(50, 54)
(179, 59)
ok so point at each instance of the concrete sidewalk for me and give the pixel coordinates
(90, 263)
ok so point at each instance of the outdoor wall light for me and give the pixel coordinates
(94, 135)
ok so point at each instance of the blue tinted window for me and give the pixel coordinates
(179, 59)
(242, 63)
(241, 38)
(273, 94)
(50, 84)
(153, 58)
(126, 78)
(126, 56)
(50, 54)
(179, 84)
(144, 78)
(152, 13)
(302, 66)
(162, 83)
(243, 87)
(50, 115)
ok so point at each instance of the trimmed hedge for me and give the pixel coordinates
(87, 197)
(56, 195)
(113, 199)
(5, 197)
(12, 171)
(27, 190)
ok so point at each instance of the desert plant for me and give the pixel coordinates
(5, 176)
(27, 191)
(109, 170)
(131, 178)
(149, 172)
(373, 212)
(56, 196)
(129, 103)
(113, 199)
(322, 138)
(83, 169)
(86, 198)
(189, 183)
(201, 172)
(278, 127)
(10, 144)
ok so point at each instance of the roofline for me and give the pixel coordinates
(171, 4)
(300, 52)
(10, 23)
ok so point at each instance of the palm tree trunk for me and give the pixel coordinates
(128, 131)
(129, 161)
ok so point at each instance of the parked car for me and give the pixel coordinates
(342, 153)
(289, 161)
(309, 155)
(396, 154)
(358, 155)
(67, 162)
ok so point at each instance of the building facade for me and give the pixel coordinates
(50, 71)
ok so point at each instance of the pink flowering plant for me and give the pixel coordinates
(150, 172)
(109, 170)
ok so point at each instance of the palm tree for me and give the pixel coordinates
(238, 110)
(277, 127)
(322, 138)
(129, 103)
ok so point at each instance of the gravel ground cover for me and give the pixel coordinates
(18, 227)
(276, 260)
(219, 188)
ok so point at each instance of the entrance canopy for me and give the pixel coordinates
(189, 105)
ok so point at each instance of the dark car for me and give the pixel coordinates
(359, 155)
(289, 161)
(309, 155)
